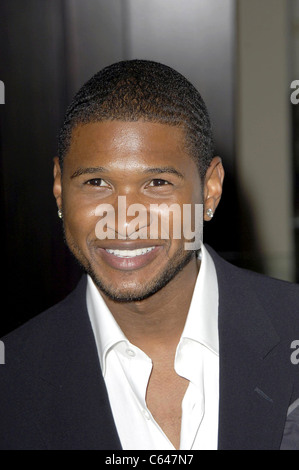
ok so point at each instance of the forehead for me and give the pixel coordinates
(131, 142)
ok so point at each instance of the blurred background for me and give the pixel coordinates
(242, 55)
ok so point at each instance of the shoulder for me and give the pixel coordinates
(47, 327)
(279, 298)
(251, 278)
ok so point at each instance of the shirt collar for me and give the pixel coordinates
(201, 324)
(106, 330)
(202, 320)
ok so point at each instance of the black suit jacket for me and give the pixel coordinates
(53, 396)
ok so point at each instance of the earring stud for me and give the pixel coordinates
(210, 213)
(59, 213)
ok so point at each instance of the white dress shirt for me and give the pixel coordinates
(126, 370)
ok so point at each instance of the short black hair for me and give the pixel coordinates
(142, 90)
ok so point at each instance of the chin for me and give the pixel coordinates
(124, 293)
(137, 294)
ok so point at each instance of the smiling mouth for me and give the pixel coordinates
(130, 253)
(129, 258)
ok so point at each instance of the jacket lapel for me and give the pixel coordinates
(74, 410)
(70, 405)
(255, 387)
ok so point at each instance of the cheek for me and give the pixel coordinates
(186, 224)
(79, 219)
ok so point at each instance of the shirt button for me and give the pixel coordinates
(130, 352)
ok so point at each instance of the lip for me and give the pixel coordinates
(129, 264)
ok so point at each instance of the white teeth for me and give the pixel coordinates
(130, 253)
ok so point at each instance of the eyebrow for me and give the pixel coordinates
(100, 169)
(165, 169)
(87, 171)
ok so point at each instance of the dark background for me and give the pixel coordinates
(48, 49)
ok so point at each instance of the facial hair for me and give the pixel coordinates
(176, 265)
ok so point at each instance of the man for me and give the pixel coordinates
(159, 346)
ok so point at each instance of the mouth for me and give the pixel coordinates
(131, 253)
(130, 259)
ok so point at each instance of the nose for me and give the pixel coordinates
(132, 218)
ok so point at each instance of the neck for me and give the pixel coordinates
(158, 321)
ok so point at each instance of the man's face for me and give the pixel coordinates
(145, 162)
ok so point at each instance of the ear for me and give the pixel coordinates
(213, 186)
(57, 186)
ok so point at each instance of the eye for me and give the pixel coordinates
(97, 182)
(158, 182)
